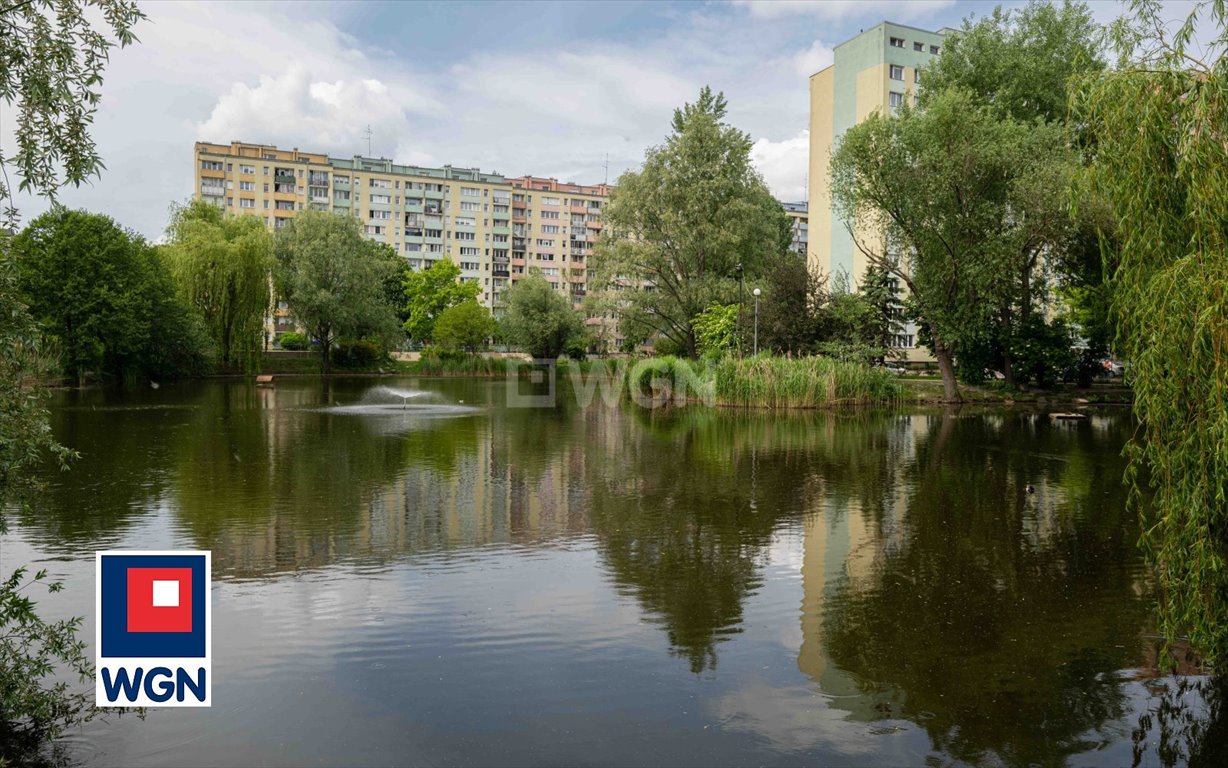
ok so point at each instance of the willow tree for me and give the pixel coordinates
(1156, 132)
(223, 263)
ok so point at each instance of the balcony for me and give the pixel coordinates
(430, 195)
(284, 178)
(500, 273)
(212, 191)
(501, 230)
(593, 224)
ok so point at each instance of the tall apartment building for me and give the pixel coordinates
(493, 228)
(799, 220)
(876, 71)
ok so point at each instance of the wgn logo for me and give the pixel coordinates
(154, 623)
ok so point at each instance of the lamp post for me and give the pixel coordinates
(756, 292)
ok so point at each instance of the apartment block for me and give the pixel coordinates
(877, 71)
(799, 220)
(492, 227)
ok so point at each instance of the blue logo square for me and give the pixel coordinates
(114, 636)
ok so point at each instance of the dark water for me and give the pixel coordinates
(457, 581)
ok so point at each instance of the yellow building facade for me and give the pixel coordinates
(877, 71)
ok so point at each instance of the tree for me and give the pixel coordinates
(222, 266)
(466, 326)
(789, 312)
(678, 229)
(539, 319)
(1155, 133)
(928, 197)
(51, 65)
(106, 296)
(429, 292)
(1017, 64)
(332, 277)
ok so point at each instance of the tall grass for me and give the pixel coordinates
(457, 365)
(763, 382)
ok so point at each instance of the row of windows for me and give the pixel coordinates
(898, 42)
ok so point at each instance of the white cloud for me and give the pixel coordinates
(893, 10)
(814, 58)
(784, 165)
(269, 73)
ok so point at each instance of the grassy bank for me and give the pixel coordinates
(762, 382)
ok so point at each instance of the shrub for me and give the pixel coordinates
(293, 341)
(359, 354)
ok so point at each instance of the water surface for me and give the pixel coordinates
(435, 577)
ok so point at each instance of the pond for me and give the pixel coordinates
(414, 571)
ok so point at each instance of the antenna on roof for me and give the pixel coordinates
(368, 133)
(607, 167)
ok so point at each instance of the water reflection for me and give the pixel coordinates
(740, 586)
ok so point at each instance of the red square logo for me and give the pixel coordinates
(159, 599)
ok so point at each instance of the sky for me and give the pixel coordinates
(572, 90)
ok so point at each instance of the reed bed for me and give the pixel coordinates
(766, 382)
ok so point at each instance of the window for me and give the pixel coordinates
(211, 165)
(545, 243)
(384, 199)
(247, 186)
(549, 230)
(895, 100)
(266, 170)
(550, 214)
(464, 221)
(466, 236)
(918, 47)
(916, 76)
(897, 42)
(245, 203)
(470, 206)
(229, 167)
(379, 215)
(470, 192)
(247, 169)
(381, 184)
(372, 229)
(549, 201)
(934, 49)
(897, 72)
(230, 201)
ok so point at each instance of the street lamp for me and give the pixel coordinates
(756, 292)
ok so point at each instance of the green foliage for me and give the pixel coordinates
(765, 381)
(466, 326)
(437, 362)
(25, 435)
(52, 54)
(789, 310)
(33, 709)
(1018, 61)
(332, 277)
(1156, 138)
(222, 266)
(361, 354)
(539, 319)
(943, 188)
(716, 329)
(678, 229)
(107, 296)
(293, 341)
(429, 292)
